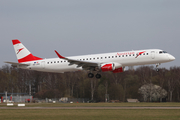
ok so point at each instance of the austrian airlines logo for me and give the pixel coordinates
(140, 53)
(19, 50)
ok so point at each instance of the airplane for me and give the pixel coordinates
(114, 62)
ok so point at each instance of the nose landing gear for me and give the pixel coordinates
(157, 65)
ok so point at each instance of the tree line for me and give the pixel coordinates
(136, 84)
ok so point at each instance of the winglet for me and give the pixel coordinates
(59, 55)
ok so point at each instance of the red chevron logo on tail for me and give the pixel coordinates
(20, 50)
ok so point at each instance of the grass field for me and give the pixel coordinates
(89, 114)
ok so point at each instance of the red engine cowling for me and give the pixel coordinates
(118, 70)
(107, 67)
(114, 67)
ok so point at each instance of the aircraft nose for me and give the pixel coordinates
(171, 57)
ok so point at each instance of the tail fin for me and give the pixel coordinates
(22, 53)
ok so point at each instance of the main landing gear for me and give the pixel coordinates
(91, 75)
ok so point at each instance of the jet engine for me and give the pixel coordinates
(118, 70)
(114, 67)
(107, 67)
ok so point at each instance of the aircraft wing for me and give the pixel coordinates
(84, 64)
(17, 64)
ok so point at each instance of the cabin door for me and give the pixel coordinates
(43, 64)
(152, 54)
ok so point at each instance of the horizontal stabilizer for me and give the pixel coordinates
(17, 64)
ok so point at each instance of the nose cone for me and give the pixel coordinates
(171, 57)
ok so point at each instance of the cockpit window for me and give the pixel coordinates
(160, 52)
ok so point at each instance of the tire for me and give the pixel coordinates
(90, 75)
(98, 76)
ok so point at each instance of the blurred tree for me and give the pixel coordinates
(152, 92)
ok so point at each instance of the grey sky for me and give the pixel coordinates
(77, 27)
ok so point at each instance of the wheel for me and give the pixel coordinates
(98, 76)
(90, 75)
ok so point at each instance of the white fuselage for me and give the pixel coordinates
(127, 58)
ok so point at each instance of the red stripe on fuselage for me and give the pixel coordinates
(28, 58)
(15, 42)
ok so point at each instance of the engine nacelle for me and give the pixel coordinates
(118, 70)
(114, 67)
(107, 67)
